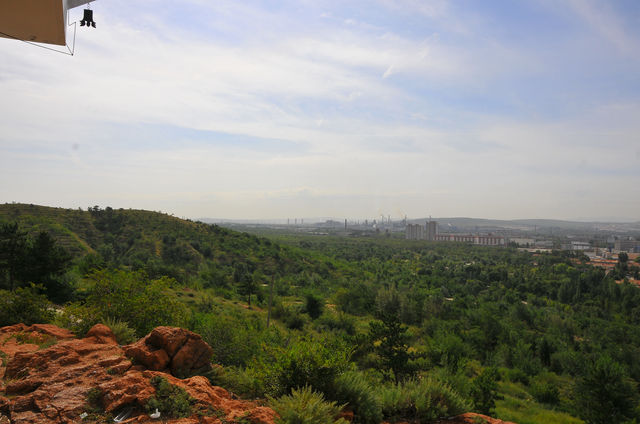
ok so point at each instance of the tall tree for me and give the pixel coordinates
(389, 336)
(46, 262)
(605, 394)
(13, 251)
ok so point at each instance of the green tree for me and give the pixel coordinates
(313, 305)
(13, 251)
(46, 261)
(24, 305)
(389, 336)
(484, 391)
(131, 297)
(247, 284)
(605, 393)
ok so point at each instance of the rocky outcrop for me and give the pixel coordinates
(49, 377)
(173, 349)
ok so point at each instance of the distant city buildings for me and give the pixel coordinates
(415, 232)
(576, 245)
(483, 240)
(627, 245)
(430, 232)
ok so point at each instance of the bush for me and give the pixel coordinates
(172, 401)
(337, 322)
(77, 318)
(421, 400)
(449, 350)
(236, 380)
(304, 406)
(313, 305)
(234, 340)
(94, 400)
(124, 334)
(294, 322)
(544, 388)
(516, 375)
(24, 305)
(484, 391)
(303, 363)
(353, 389)
(129, 296)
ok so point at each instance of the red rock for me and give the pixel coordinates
(100, 333)
(16, 328)
(183, 351)
(52, 330)
(262, 415)
(194, 355)
(50, 386)
(23, 386)
(143, 354)
(171, 339)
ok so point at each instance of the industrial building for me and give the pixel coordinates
(430, 232)
(628, 245)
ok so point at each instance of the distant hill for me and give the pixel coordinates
(160, 243)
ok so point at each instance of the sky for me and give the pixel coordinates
(348, 109)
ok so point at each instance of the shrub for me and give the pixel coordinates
(313, 305)
(304, 406)
(124, 334)
(484, 391)
(544, 388)
(421, 400)
(129, 296)
(516, 375)
(303, 363)
(353, 389)
(234, 340)
(236, 380)
(337, 322)
(76, 318)
(449, 350)
(24, 305)
(94, 400)
(294, 321)
(172, 401)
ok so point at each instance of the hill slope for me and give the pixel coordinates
(161, 244)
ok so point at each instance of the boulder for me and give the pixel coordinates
(181, 351)
(170, 339)
(100, 333)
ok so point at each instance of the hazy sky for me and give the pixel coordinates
(276, 109)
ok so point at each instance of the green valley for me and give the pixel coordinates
(390, 329)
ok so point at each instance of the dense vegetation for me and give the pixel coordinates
(391, 329)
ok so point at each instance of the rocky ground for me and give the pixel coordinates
(48, 376)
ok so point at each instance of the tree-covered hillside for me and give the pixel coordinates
(396, 330)
(161, 244)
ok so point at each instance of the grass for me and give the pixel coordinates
(520, 407)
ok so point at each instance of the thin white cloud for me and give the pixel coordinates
(420, 122)
(606, 22)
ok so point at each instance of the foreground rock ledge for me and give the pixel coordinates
(47, 374)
